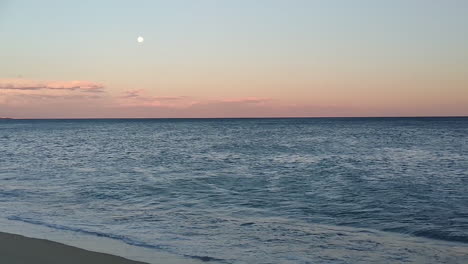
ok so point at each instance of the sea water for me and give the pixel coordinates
(318, 190)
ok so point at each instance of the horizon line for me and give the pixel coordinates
(260, 117)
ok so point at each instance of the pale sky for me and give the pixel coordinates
(238, 58)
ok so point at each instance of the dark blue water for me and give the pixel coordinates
(247, 190)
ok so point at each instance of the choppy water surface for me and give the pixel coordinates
(247, 190)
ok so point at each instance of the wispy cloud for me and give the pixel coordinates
(142, 95)
(33, 85)
(140, 98)
(56, 96)
(132, 93)
(246, 100)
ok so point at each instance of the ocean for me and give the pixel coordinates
(294, 190)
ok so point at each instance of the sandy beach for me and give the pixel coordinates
(16, 249)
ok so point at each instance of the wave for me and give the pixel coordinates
(121, 238)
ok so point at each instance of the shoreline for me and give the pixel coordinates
(18, 249)
(23, 243)
(86, 242)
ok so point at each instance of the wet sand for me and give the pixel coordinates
(16, 249)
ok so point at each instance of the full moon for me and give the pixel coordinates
(140, 39)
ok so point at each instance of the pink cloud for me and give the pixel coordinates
(31, 85)
(32, 94)
(56, 96)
